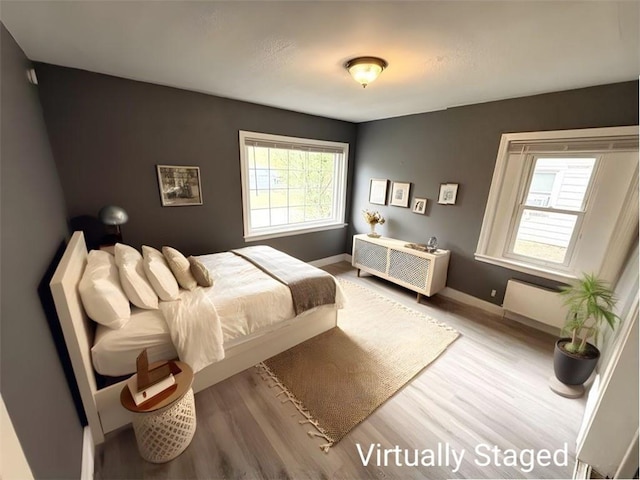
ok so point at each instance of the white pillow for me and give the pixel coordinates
(180, 267)
(102, 296)
(159, 274)
(133, 279)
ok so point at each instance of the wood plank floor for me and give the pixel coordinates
(488, 390)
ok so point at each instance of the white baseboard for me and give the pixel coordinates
(446, 292)
(88, 455)
(550, 329)
(496, 310)
(581, 471)
(321, 262)
(471, 300)
(458, 296)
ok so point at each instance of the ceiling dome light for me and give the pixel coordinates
(365, 70)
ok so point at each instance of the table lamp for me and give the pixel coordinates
(113, 216)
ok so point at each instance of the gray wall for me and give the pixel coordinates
(459, 145)
(33, 226)
(108, 134)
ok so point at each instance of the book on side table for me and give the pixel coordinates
(152, 385)
(150, 393)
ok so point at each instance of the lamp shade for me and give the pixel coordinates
(112, 215)
(365, 70)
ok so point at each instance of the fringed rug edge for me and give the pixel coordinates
(266, 374)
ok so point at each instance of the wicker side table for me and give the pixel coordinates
(165, 429)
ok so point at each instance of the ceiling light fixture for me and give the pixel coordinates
(365, 70)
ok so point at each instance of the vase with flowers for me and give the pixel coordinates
(373, 219)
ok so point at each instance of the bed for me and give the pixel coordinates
(243, 346)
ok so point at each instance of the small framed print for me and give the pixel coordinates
(378, 191)
(419, 205)
(179, 185)
(448, 193)
(400, 194)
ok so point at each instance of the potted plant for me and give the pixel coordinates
(373, 219)
(591, 303)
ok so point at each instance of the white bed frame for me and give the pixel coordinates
(102, 406)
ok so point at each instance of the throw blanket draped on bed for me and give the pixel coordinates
(310, 287)
(196, 330)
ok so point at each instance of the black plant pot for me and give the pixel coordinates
(573, 369)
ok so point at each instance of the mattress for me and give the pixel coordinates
(114, 352)
(247, 300)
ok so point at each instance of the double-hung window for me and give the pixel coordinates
(563, 203)
(291, 185)
(551, 208)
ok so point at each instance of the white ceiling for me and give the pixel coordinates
(291, 54)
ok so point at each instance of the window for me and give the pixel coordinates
(551, 210)
(562, 203)
(291, 185)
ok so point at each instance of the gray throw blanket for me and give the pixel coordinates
(310, 287)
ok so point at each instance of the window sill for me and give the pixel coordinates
(535, 270)
(288, 233)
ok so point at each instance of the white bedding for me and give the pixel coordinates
(246, 300)
(114, 352)
(245, 297)
(195, 328)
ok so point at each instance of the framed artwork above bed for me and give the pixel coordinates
(179, 185)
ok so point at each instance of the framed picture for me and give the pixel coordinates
(448, 193)
(400, 194)
(378, 191)
(419, 205)
(179, 185)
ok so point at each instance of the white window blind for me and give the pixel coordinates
(293, 146)
(627, 143)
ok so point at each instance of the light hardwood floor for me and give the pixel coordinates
(489, 388)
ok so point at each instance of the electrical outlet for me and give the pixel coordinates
(493, 293)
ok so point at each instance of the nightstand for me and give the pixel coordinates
(164, 428)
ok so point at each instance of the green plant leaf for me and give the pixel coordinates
(590, 303)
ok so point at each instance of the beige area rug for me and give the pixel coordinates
(340, 377)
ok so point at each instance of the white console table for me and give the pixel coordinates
(422, 272)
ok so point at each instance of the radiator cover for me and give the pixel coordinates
(537, 303)
(388, 258)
